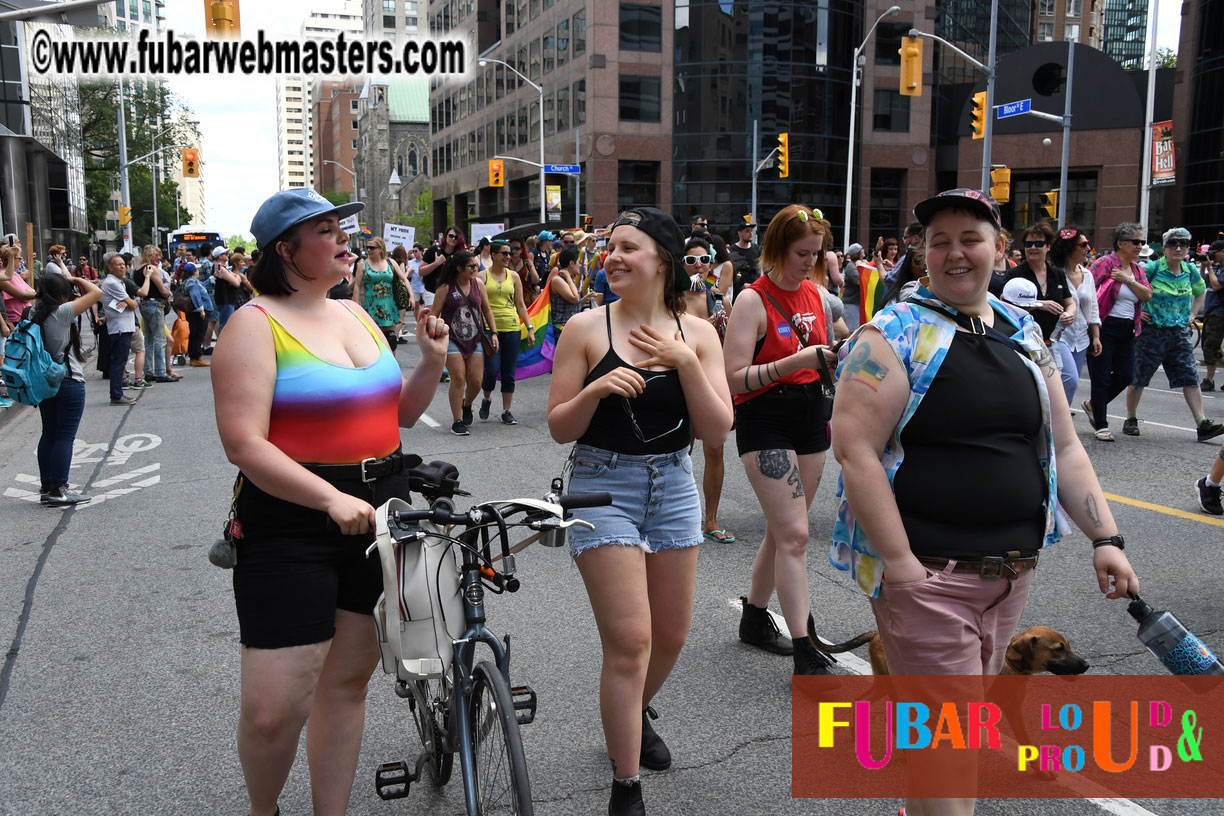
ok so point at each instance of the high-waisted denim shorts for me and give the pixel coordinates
(655, 504)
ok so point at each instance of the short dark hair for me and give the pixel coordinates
(567, 256)
(1040, 228)
(696, 217)
(915, 228)
(697, 242)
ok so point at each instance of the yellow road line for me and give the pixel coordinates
(1168, 511)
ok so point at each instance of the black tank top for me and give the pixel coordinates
(971, 484)
(660, 411)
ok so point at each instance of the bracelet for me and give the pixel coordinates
(1114, 541)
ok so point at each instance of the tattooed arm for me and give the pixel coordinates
(1081, 496)
(873, 384)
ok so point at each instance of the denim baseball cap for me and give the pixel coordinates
(288, 208)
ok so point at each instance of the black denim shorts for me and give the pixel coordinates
(786, 417)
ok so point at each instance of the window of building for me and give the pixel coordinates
(579, 34)
(388, 22)
(353, 122)
(1045, 32)
(534, 64)
(562, 42)
(637, 184)
(533, 9)
(886, 186)
(549, 111)
(499, 81)
(1045, 8)
(522, 126)
(521, 12)
(388, 6)
(890, 111)
(354, 105)
(1074, 8)
(533, 134)
(354, 144)
(1071, 32)
(501, 135)
(641, 27)
(580, 102)
(412, 163)
(888, 42)
(548, 4)
(133, 10)
(512, 80)
(146, 10)
(550, 48)
(563, 106)
(509, 17)
(640, 98)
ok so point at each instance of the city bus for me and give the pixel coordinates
(193, 237)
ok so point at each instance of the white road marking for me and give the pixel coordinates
(1158, 424)
(856, 665)
(123, 477)
(148, 481)
(429, 421)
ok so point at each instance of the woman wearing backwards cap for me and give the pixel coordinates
(623, 378)
(958, 385)
(309, 403)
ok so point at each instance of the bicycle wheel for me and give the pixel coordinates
(431, 711)
(501, 768)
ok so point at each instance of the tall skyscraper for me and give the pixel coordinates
(1124, 32)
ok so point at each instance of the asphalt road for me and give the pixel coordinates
(119, 689)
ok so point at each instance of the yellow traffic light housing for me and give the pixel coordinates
(911, 66)
(1000, 184)
(979, 115)
(125, 216)
(1049, 204)
(783, 155)
(191, 162)
(497, 173)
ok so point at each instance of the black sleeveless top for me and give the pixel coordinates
(971, 484)
(660, 412)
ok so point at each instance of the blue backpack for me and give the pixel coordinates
(29, 371)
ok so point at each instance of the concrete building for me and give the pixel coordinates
(1078, 21)
(333, 117)
(1195, 199)
(133, 15)
(393, 19)
(294, 122)
(1124, 26)
(393, 133)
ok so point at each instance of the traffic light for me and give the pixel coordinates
(1049, 204)
(979, 115)
(783, 155)
(911, 66)
(125, 216)
(497, 173)
(587, 221)
(1000, 184)
(191, 162)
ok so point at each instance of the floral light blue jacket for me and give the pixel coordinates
(921, 338)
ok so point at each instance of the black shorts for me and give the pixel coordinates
(783, 418)
(293, 573)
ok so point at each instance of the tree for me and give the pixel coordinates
(244, 241)
(419, 216)
(338, 197)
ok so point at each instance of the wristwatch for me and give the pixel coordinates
(1115, 540)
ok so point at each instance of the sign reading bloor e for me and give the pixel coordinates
(1013, 108)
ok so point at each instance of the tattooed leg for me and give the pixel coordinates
(797, 481)
(774, 463)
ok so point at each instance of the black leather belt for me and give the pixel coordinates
(367, 470)
(992, 567)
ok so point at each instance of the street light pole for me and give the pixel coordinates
(856, 67)
(540, 90)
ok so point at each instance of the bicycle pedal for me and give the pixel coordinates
(524, 699)
(392, 780)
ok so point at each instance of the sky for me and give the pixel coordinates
(238, 113)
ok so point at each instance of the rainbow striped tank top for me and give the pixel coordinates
(332, 414)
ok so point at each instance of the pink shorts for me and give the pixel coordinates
(950, 622)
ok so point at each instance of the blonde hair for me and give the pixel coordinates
(146, 254)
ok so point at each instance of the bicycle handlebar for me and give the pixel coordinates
(573, 501)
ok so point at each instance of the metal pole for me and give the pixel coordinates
(1066, 140)
(125, 196)
(990, 86)
(543, 215)
(1145, 190)
(156, 159)
(577, 181)
(756, 143)
(854, 82)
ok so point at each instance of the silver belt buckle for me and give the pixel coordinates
(364, 462)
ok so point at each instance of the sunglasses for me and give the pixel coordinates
(1178, 243)
(694, 260)
(701, 223)
(503, 252)
(1083, 245)
(1034, 244)
(567, 243)
(1135, 241)
(471, 266)
(516, 249)
(452, 236)
(637, 429)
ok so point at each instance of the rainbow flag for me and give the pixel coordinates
(536, 360)
(871, 291)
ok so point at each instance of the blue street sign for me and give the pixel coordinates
(567, 169)
(1013, 108)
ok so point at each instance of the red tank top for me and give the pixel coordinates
(806, 310)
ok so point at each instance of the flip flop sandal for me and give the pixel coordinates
(1087, 406)
(721, 536)
(1104, 435)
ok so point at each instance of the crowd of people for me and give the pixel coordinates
(969, 360)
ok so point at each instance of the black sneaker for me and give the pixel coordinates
(1207, 385)
(467, 415)
(445, 377)
(655, 755)
(507, 418)
(1209, 430)
(62, 498)
(484, 408)
(1130, 426)
(626, 800)
(459, 429)
(1209, 498)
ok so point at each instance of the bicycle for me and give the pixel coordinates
(459, 706)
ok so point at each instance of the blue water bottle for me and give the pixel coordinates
(1173, 644)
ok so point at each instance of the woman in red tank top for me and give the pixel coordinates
(776, 338)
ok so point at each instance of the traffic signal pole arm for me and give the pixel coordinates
(516, 159)
(153, 152)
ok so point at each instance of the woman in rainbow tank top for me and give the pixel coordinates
(309, 402)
